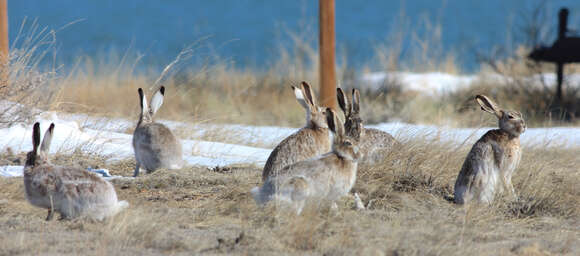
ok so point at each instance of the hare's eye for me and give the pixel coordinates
(347, 143)
(510, 117)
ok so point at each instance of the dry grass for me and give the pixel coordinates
(209, 211)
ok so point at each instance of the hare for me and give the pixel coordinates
(310, 141)
(374, 144)
(329, 176)
(71, 191)
(489, 166)
(154, 144)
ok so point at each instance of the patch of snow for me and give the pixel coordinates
(109, 139)
(11, 171)
(436, 83)
(17, 171)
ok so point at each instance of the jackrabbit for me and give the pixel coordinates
(329, 176)
(71, 191)
(154, 144)
(310, 141)
(491, 162)
(374, 144)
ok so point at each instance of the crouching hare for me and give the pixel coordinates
(490, 164)
(154, 144)
(374, 144)
(310, 141)
(327, 177)
(71, 191)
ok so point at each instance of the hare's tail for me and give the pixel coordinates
(121, 205)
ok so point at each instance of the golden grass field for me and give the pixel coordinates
(409, 212)
(210, 211)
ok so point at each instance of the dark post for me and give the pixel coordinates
(562, 28)
(326, 48)
(566, 49)
(562, 23)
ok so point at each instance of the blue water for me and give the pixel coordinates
(250, 33)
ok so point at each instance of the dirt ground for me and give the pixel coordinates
(210, 211)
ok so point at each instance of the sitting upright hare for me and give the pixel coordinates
(329, 176)
(154, 144)
(71, 191)
(374, 144)
(489, 166)
(310, 141)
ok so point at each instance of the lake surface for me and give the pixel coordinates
(250, 32)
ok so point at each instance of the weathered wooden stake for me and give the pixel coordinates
(562, 29)
(3, 43)
(326, 49)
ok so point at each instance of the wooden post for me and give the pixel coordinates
(326, 51)
(4, 44)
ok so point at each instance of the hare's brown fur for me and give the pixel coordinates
(329, 176)
(310, 141)
(374, 144)
(71, 191)
(489, 166)
(154, 144)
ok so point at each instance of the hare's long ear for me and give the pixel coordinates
(355, 101)
(157, 100)
(334, 123)
(35, 137)
(308, 93)
(143, 101)
(488, 105)
(45, 147)
(342, 101)
(300, 98)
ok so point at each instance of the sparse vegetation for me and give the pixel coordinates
(199, 210)
(210, 211)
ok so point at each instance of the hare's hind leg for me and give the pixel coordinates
(509, 186)
(50, 210)
(137, 167)
(358, 203)
(300, 192)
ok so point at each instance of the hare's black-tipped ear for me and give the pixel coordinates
(35, 137)
(157, 100)
(308, 93)
(334, 123)
(142, 101)
(300, 97)
(45, 147)
(355, 101)
(330, 119)
(488, 105)
(141, 95)
(342, 101)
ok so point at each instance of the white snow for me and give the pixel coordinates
(17, 171)
(428, 83)
(111, 138)
(436, 83)
(96, 136)
(11, 171)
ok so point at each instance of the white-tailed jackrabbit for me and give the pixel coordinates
(489, 166)
(154, 144)
(329, 176)
(374, 144)
(71, 191)
(310, 141)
